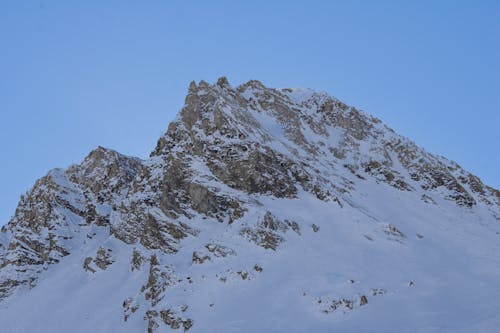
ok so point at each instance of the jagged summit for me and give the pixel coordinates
(254, 196)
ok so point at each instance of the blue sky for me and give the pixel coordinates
(78, 74)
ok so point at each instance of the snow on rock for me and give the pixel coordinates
(260, 209)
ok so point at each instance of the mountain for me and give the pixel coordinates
(259, 210)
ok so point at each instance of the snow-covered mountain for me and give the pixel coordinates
(260, 210)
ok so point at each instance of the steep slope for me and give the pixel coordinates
(259, 209)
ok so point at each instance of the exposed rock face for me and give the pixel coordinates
(229, 152)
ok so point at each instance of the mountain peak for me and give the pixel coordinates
(223, 82)
(249, 191)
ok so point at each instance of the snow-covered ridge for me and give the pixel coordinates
(254, 196)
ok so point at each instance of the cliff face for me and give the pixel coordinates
(253, 196)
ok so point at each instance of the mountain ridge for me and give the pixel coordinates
(221, 190)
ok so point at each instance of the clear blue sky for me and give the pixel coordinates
(78, 74)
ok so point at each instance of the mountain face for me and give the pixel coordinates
(259, 210)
